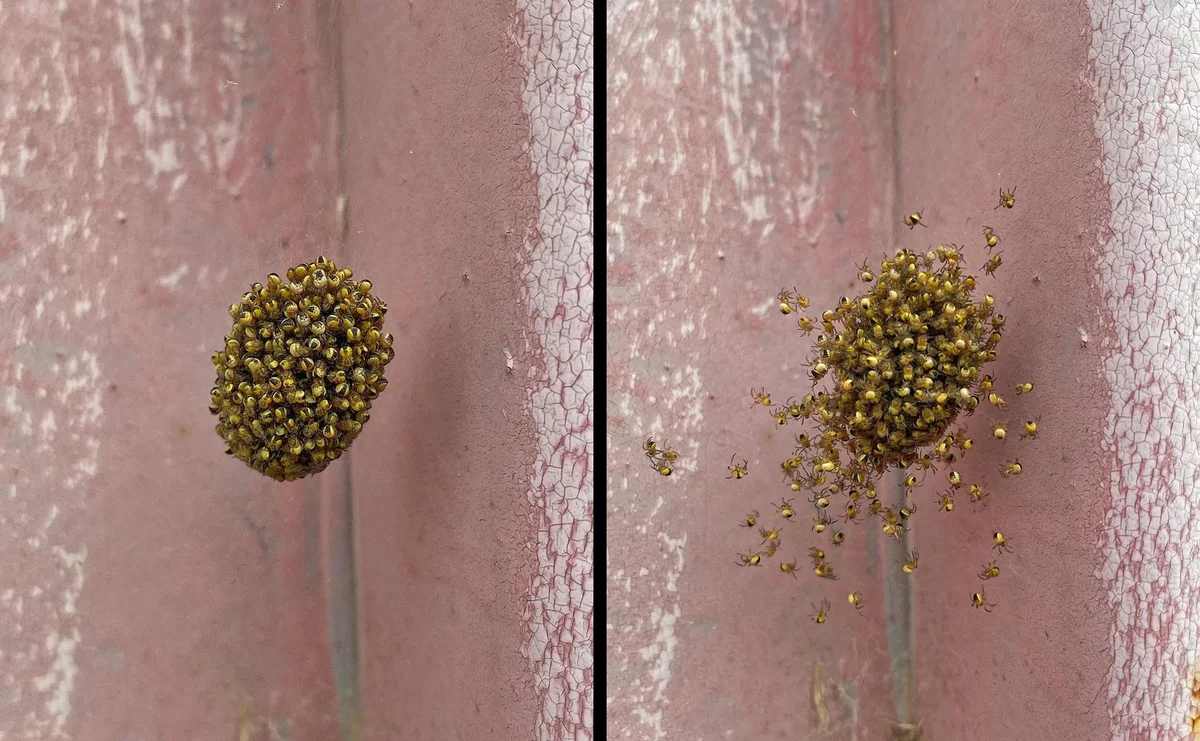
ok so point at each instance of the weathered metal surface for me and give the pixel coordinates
(469, 176)
(748, 149)
(152, 159)
(758, 147)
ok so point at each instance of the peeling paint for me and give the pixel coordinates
(1145, 86)
(555, 39)
(51, 408)
(171, 280)
(699, 99)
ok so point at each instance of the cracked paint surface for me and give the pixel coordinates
(1144, 59)
(484, 234)
(555, 38)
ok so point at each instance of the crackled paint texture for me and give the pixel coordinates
(128, 132)
(483, 230)
(556, 42)
(1145, 58)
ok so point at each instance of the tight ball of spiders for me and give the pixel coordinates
(298, 372)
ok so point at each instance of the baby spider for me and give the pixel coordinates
(750, 559)
(817, 555)
(822, 611)
(805, 325)
(947, 502)
(990, 237)
(992, 265)
(1024, 388)
(761, 397)
(955, 479)
(788, 567)
(662, 468)
(781, 415)
(751, 520)
(738, 471)
(977, 493)
(1007, 200)
(1010, 469)
(785, 509)
(650, 447)
(1000, 430)
(1001, 542)
(825, 571)
(771, 548)
(1031, 429)
(785, 301)
(908, 510)
(910, 565)
(839, 537)
(910, 481)
(864, 272)
(852, 511)
(771, 535)
(979, 599)
(856, 601)
(822, 522)
(986, 383)
(913, 219)
(997, 400)
(991, 571)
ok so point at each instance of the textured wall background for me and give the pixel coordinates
(763, 146)
(155, 158)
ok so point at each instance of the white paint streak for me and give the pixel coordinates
(172, 279)
(1147, 89)
(50, 374)
(555, 40)
(751, 55)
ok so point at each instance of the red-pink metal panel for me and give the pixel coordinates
(468, 163)
(761, 146)
(155, 159)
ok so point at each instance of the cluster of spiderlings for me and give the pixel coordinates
(897, 366)
(903, 358)
(661, 457)
(299, 369)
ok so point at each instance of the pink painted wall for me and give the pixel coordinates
(755, 147)
(154, 160)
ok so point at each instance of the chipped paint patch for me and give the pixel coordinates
(712, 154)
(555, 42)
(171, 280)
(1144, 81)
(51, 408)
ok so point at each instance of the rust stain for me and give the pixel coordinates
(819, 699)
(245, 726)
